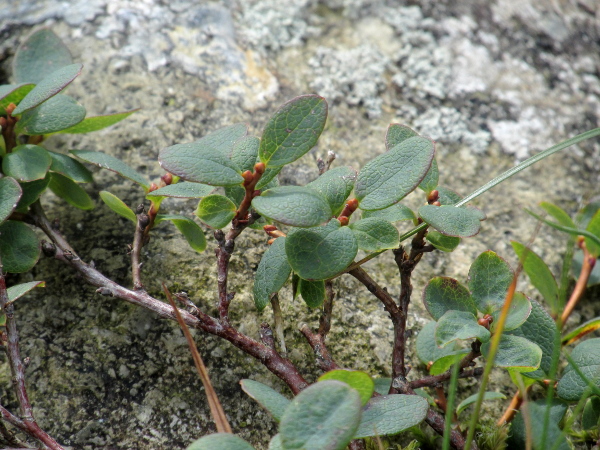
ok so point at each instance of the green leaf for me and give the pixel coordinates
(10, 194)
(321, 252)
(192, 233)
(185, 189)
(450, 220)
(473, 398)
(516, 353)
(236, 194)
(55, 114)
(538, 272)
(454, 325)
(70, 191)
(581, 330)
(577, 263)
(441, 242)
(18, 291)
(293, 205)
(430, 182)
(118, 206)
(216, 211)
(446, 294)
(96, 123)
(539, 431)
(541, 329)
(27, 163)
(293, 130)
(382, 385)
(489, 279)
(587, 357)
(47, 88)
(590, 419)
(268, 398)
(593, 227)
(312, 292)
(391, 176)
(32, 191)
(223, 139)
(272, 273)
(268, 177)
(356, 379)
(448, 197)
(111, 163)
(373, 234)
(444, 363)
(519, 311)
(275, 443)
(245, 152)
(397, 133)
(195, 162)
(587, 212)
(335, 185)
(13, 93)
(394, 213)
(323, 416)
(70, 168)
(391, 414)
(220, 441)
(19, 247)
(427, 349)
(558, 213)
(40, 55)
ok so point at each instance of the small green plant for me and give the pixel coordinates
(315, 233)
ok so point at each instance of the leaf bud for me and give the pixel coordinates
(10, 108)
(248, 177)
(343, 220)
(433, 196)
(153, 187)
(167, 178)
(437, 203)
(260, 167)
(269, 228)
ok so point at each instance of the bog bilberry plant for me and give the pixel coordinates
(314, 234)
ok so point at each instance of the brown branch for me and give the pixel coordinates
(432, 380)
(250, 182)
(27, 422)
(216, 409)
(143, 222)
(324, 360)
(280, 366)
(434, 419)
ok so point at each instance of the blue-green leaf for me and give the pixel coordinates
(396, 133)
(10, 194)
(335, 185)
(272, 273)
(19, 247)
(388, 415)
(96, 123)
(444, 294)
(70, 168)
(111, 163)
(586, 356)
(245, 152)
(70, 191)
(27, 163)
(516, 353)
(373, 234)
(489, 279)
(312, 292)
(41, 54)
(452, 221)
(268, 398)
(430, 182)
(454, 325)
(185, 189)
(216, 211)
(394, 213)
(220, 441)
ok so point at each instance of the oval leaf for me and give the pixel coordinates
(356, 379)
(70, 191)
(10, 194)
(321, 252)
(268, 398)
(220, 441)
(216, 211)
(373, 234)
(245, 152)
(118, 206)
(454, 325)
(430, 182)
(444, 294)
(451, 221)
(324, 415)
(96, 123)
(293, 205)
(396, 133)
(516, 353)
(446, 362)
(40, 55)
(427, 349)
(489, 279)
(51, 85)
(53, 115)
(312, 292)
(111, 163)
(192, 233)
(394, 213)
(538, 272)
(32, 191)
(441, 242)
(519, 311)
(272, 273)
(223, 139)
(293, 130)
(185, 189)
(391, 414)
(269, 178)
(388, 178)
(19, 247)
(587, 357)
(27, 163)
(70, 168)
(335, 185)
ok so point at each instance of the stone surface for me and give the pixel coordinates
(491, 82)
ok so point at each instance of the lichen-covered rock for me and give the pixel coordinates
(491, 82)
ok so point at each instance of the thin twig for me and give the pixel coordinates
(586, 269)
(324, 360)
(27, 422)
(325, 319)
(432, 380)
(216, 409)
(136, 250)
(278, 320)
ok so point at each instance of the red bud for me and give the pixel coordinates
(260, 168)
